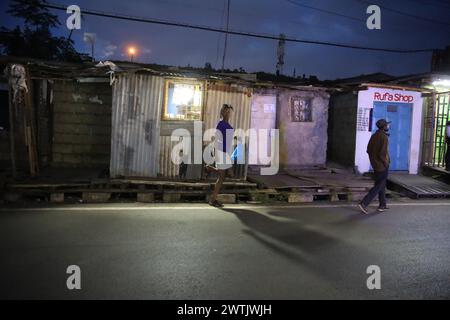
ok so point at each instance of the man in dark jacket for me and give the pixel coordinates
(378, 150)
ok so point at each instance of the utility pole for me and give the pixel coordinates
(226, 36)
(280, 54)
(92, 51)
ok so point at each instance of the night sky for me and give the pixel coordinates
(180, 47)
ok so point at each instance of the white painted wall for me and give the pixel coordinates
(263, 117)
(366, 99)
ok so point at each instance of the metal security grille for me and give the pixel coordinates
(442, 115)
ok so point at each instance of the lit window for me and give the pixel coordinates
(183, 100)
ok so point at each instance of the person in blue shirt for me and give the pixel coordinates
(238, 157)
(222, 151)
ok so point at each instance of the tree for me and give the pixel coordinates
(35, 39)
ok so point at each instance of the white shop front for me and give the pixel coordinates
(404, 109)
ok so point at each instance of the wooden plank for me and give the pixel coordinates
(266, 191)
(282, 181)
(180, 183)
(45, 185)
(106, 190)
(12, 132)
(29, 125)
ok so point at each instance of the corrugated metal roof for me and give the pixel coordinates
(183, 74)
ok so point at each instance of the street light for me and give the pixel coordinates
(90, 37)
(132, 52)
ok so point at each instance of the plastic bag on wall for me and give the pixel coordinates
(17, 79)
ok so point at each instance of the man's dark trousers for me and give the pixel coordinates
(379, 188)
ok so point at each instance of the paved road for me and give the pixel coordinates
(240, 252)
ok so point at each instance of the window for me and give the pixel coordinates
(391, 108)
(301, 110)
(183, 100)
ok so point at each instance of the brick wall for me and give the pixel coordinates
(81, 124)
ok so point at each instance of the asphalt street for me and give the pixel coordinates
(193, 251)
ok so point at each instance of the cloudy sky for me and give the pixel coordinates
(340, 21)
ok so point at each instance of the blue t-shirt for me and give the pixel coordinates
(238, 154)
(223, 126)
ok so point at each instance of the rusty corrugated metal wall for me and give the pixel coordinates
(238, 96)
(137, 101)
(166, 167)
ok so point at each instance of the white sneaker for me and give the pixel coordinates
(363, 209)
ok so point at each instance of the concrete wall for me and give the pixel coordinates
(81, 124)
(342, 128)
(263, 116)
(302, 144)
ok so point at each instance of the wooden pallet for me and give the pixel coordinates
(101, 194)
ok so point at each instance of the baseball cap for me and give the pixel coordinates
(382, 123)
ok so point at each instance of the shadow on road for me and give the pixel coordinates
(333, 259)
(351, 219)
(291, 233)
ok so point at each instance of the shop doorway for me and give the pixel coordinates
(400, 115)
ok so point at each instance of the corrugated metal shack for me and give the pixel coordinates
(148, 106)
